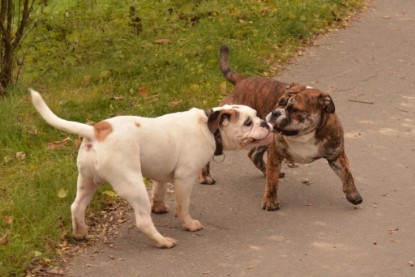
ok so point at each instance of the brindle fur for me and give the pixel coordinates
(260, 93)
(264, 94)
(328, 136)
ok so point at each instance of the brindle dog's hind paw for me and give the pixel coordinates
(269, 205)
(207, 180)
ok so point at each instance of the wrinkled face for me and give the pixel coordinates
(299, 112)
(239, 127)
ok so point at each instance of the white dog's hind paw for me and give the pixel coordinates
(166, 242)
(81, 236)
(193, 225)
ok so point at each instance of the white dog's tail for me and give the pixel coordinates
(81, 129)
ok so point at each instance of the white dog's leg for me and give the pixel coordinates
(157, 198)
(132, 188)
(183, 189)
(85, 190)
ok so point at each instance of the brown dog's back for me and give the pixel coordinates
(260, 93)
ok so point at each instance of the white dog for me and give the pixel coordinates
(170, 148)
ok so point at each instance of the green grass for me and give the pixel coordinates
(89, 63)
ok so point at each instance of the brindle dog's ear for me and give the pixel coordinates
(327, 103)
(217, 117)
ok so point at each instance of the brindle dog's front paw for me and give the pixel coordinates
(270, 204)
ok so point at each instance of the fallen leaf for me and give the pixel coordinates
(306, 182)
(143, 92)
(56, 271)
(8, 219)
(393, 230)
(20, 156)
(162, 41)
(58, 144)
(194, 87)
(62, 193)
(7, 159)
(4, 240)
(117, 98)
(175, 103)
(110, 193)
(78, 142)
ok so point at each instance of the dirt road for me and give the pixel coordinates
(369, 69)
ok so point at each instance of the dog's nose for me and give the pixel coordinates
(264, 124)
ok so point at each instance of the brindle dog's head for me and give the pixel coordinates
(300, 111)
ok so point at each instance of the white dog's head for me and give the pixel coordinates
(239, 127)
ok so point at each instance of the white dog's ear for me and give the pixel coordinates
(221, 117)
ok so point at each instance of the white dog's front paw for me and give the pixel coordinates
(80, 231)
(166, 242)
(192, 225)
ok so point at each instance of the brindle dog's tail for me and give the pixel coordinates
(229, 74)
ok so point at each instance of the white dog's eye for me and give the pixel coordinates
(248, 123)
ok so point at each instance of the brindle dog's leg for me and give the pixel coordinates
(340, 166)
(205, 177)
(270, 199)
(256, 155)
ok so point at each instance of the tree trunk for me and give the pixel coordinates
(11, 35)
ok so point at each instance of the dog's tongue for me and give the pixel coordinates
(265, 140)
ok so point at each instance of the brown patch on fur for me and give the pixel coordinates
(102, 130)
(137, 124)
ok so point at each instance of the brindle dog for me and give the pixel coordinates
(260, 93)
(305, 123)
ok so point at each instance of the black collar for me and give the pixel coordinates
(217, 136)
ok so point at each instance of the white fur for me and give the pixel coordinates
(169, 148)
(303, 148)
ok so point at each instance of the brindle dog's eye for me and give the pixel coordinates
(282, 102)
(293, 110)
